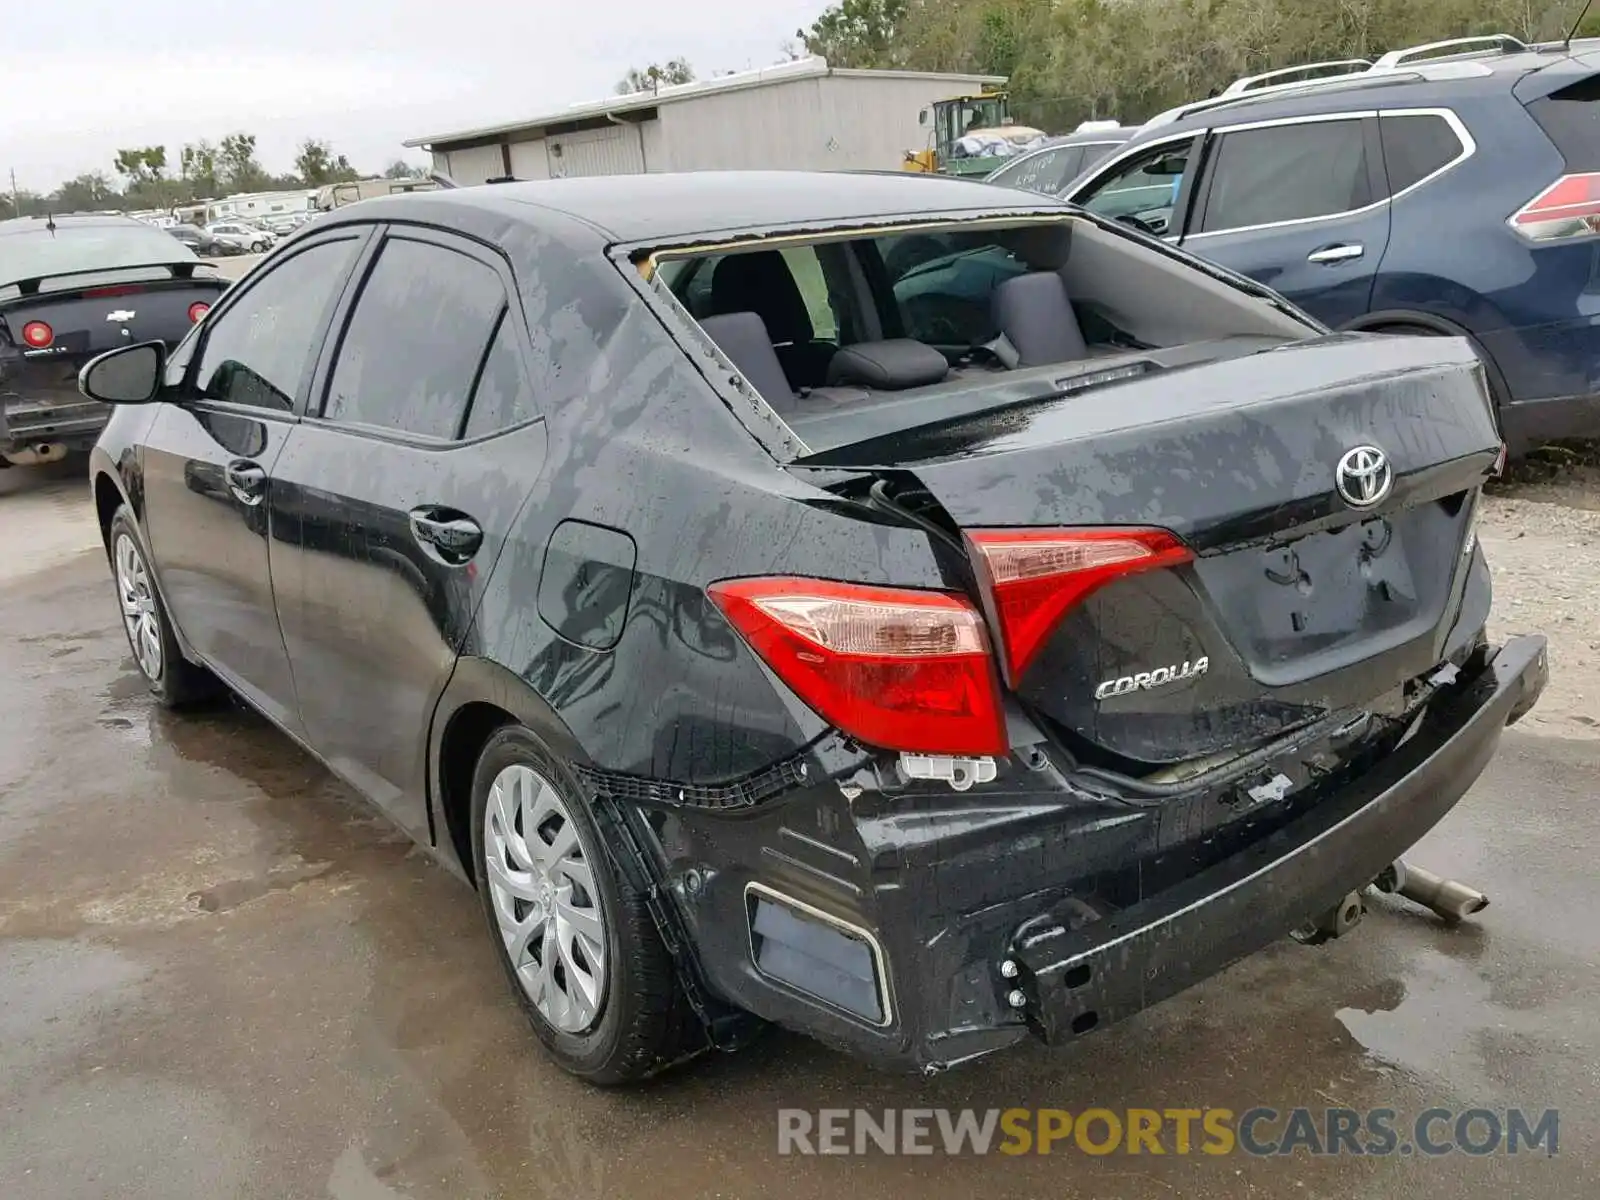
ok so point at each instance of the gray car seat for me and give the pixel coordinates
(1036, 317)
(761, 283)
(743, 337)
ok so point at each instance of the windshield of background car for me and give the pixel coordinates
(1145, 187)
(28, 250)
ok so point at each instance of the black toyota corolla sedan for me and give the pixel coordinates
(927, 621)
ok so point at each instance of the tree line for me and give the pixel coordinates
(1076, 60)
(147, 177)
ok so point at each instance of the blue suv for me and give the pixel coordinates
(1451, 189)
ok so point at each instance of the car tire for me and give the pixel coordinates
(635, 1021)
(173, 679)
(258, 247)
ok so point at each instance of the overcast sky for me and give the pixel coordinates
(90, 76)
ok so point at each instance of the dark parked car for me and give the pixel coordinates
(1051, 167)
(71, 287)
(919, 677)
(1451, 189)
(201, 242)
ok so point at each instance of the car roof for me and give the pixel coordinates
(19, 225)
(1079, 136)
(685, 205)
(1436, 80)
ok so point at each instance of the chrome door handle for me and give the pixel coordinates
(246, 481)
(1337, 254)
(452, 538)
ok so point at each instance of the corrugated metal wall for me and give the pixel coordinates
(874, 121)
(768, 127)
(476, 165)
(529, 160)
(828, 123)
(612, 151)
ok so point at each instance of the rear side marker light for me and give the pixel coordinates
(1568, 208)
(197, 310)
(895, 668)
(1035, 576)
(38, 335)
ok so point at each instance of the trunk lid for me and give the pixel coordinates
(1296, 602)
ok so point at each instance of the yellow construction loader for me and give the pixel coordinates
(986, 116)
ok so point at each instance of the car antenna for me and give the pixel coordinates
(1566, 43)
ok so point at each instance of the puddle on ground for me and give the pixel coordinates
(231, 893)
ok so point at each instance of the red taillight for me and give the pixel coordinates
(197, 310)
(1568, 208)
(107, 292)
(892, 667)
(38, 335)
(1036, 575)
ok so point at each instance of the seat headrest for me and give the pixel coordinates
(889, 366)
(1035, 314)
(742, 336)
(761, 283)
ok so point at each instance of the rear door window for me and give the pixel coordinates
(1287, 173)
(1415, 145)
(502, 397)
(413, 344)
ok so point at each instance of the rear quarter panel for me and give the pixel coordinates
(1452, 255)
(653, 466)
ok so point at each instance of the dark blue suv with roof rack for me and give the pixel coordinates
(1451, 189)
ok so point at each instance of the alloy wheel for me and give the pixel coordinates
(139, 613)
(545, 903)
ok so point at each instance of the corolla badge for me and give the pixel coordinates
(1363, 476)
(1145, 680)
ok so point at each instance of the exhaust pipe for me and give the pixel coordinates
(1448, 898)
(37, 455)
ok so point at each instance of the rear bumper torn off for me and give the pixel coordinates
(1078, 980)
(902, 911)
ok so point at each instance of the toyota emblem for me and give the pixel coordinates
(1363, 477)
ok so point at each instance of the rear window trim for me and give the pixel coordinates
(1469, 147)
(637, 262)
(640, 264)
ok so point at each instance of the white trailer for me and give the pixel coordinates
(255, 206)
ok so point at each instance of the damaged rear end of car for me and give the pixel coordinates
(1174, 634)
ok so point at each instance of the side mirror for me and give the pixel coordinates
(126, 375)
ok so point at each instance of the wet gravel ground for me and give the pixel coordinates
(221, 976)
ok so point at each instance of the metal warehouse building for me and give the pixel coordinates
(800, 115)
